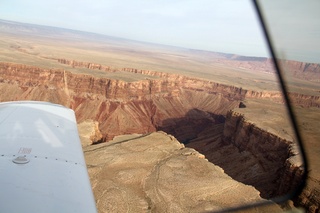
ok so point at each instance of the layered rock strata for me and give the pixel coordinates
(309, 71)
(254, 156)
(301, 70)
(121, 107)
(258, 158)
(277, 157)
(184, 106)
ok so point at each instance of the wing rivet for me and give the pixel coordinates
(20, 160)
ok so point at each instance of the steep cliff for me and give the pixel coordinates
(297, 69)
(277, 168)
(183, 106)
(301, 70)
(251, 155)
(121, 107)
(81, 64)
(278, 157)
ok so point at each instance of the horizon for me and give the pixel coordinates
(128, 39)
(150, 43)
(81, 31)
(234, 28)
(203, 25)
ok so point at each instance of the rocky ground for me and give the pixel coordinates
(187, 93)
(156, 173)
(185, 107)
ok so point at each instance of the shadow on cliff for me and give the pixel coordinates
(203, 131)
(191, 125)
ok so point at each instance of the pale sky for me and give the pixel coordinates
(229, 26)
(295, 27)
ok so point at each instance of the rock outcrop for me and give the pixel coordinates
(297, 69)
(155, 173)
(89, 132)
(257, 155)
(302, 70)
(277, 157)
(310, 196)
(251, 155)
(120, 107)
(192, 109)
(81, 64)
(184, 106)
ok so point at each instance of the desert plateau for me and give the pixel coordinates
(172, 129)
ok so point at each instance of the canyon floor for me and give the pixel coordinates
(227, 107)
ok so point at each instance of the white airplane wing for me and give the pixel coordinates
(42, 168)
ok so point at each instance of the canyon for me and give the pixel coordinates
(118, 106)
(202, 114)
(167, 128)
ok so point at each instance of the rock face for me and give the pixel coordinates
(275, 155)
(89, 132)
(186, 107)
(251, 155)
(297, 69)
(155, 173)
(131, 107)
(80, 64)
(257, 157)
(302, 70)
(120, 107)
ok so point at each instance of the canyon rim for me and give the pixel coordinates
(225, 109)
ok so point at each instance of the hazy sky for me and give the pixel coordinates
(218, 25)
(295, 28)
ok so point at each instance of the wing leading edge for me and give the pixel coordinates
(41, 160)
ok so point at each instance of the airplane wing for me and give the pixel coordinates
(42, 168)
